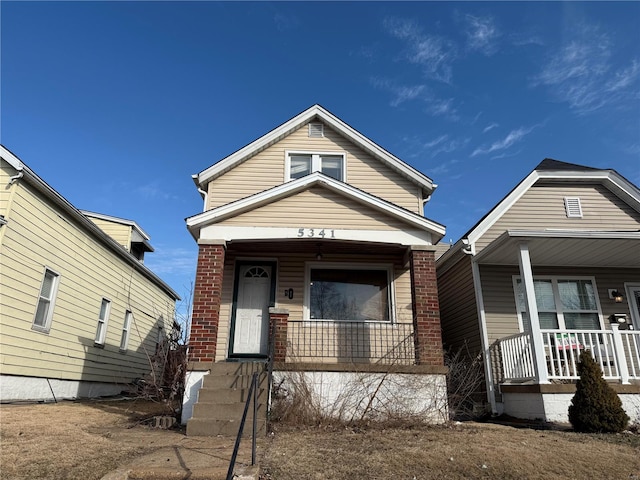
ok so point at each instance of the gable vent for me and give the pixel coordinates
(573, 207)
(316, 130)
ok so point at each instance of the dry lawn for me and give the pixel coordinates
(76, 440)
(461, 451)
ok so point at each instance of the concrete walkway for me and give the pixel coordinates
(193, 458)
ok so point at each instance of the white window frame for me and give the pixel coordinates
(101, 329)
(316, 164)
(46, 327)
(126, 328)
(558, 301)
(306, 310)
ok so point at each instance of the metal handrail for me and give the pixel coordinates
(253, 395)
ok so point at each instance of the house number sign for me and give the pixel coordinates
(316, 233)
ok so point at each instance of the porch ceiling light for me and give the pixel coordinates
(616, 295)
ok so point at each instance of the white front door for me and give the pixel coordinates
(251, 327)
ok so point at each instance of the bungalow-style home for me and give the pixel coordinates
(551, 271)
(319, 231)
(80, 313)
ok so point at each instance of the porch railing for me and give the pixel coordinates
(617, 352)
(350, 342)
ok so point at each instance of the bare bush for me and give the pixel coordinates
(464, 384)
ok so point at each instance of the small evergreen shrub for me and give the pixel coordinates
(595, 407)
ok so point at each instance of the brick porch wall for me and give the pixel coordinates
(278, 322)
(426, 309)
(206, 303)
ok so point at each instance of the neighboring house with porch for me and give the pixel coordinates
(318, 231)
(80, 313)
(552, 270)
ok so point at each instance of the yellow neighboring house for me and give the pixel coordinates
(80, 314)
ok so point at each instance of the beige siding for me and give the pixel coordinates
(458, 309)
(119, 232)
(499, 296)
(38, 236)
(266, 170)
(542, 207)
(317, 206)
(290, 274)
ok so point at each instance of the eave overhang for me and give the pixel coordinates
(413, 220)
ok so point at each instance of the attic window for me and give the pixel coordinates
(316, 130)
(573, 207)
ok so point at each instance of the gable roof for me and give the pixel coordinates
(138, 235)
(315, 112)
(196, 222)
(553, 171)
(56, 199)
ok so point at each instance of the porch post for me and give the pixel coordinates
(425, 306)
(623, 368)
(539, 358)
(207, 293)
(278, 320)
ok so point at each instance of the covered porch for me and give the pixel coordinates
(555, 287)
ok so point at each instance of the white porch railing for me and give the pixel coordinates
(617, 352)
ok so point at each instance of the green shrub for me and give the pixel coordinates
(595, 407)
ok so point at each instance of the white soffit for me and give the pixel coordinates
(316, 111)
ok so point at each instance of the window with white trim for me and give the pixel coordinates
(300, 164)
(103, 318)
(46, 300)
(349, 292)
(563, 303)
(126, 326)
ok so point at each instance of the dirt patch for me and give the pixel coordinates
(77, 440)
(460, 451)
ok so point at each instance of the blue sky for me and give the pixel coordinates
(117, 104)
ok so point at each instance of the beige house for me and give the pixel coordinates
(551, 271)
(318, 231)
(80, 314)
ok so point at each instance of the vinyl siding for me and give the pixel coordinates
(290, 274)
(39, 235)
(542, 207)
(458, 309)
(120, 233)
(266, 170)
(317, 206)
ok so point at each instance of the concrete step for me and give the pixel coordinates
(237, 368)
(226, 411)
(227, 395)
(230, 380)
(211, 428)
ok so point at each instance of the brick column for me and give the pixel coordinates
(278, 319)
(426, 309)
(207, 294)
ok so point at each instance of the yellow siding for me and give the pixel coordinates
(542, 207)
(266, 170)
(39, 236)
(119, 232)
(290, 274)
(317, 206)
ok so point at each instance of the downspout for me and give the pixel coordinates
(484, 337)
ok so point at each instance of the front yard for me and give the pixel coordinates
(86, 440)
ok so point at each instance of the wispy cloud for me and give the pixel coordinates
(581, 72)
(490, 127)
(482, 34)
(439, 107)
(154, 190)
(167, 260)
(443, 144)
(400, 93)
(513, 137)
(443, 168)
(431, 52)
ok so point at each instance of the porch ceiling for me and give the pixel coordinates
(566, 248)
(315, 246)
